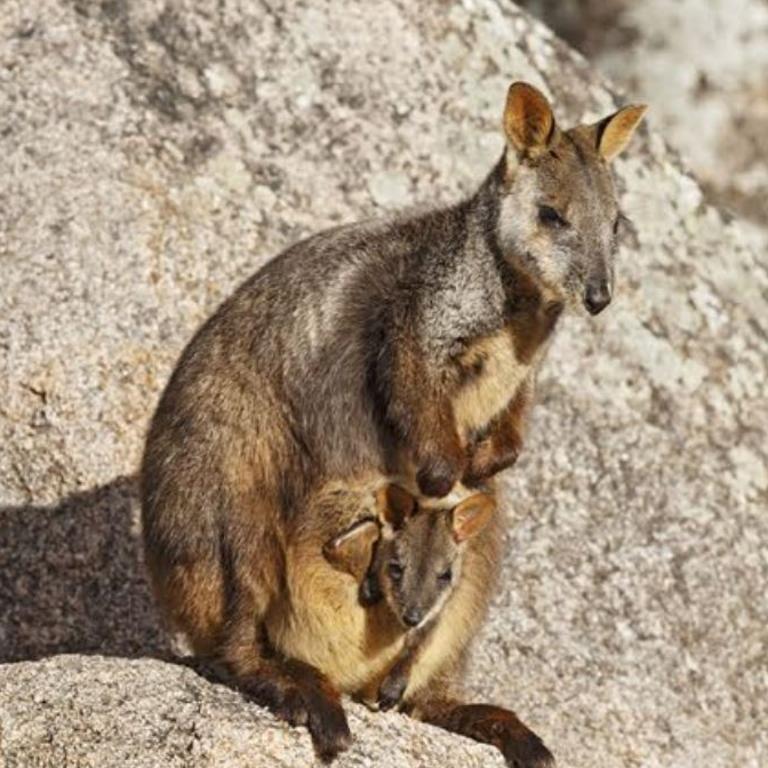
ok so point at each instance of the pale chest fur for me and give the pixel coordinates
(323, 624)
(493, 376)
(493, 368)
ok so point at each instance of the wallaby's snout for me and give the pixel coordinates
(597, 295)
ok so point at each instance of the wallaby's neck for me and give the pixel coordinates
(482, 211)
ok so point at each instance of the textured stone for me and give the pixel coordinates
(96, 712)
(152, 156)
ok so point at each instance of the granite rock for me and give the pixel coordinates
(100, 712)
(153, 155)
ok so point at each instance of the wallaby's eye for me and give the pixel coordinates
(445, 576)
(549, 217)
(395, 571)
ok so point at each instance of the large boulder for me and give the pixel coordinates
(154, 154)
(97, 712)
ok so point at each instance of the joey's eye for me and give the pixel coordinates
(549, 217)
(395, 571)
(445, 576)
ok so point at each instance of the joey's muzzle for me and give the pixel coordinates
(597, 296)
(412, 617)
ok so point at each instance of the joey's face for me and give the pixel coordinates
(417, 559)
(417, 567)
(559, 218)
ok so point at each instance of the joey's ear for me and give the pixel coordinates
(395, 504)
(352, 551)
(529, 124)
(472, 515)
(612, 133)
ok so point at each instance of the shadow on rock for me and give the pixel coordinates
(72, 578)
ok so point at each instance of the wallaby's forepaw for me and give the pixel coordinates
(391, 692)
(437, 475)
(521, 747)
(329, 728)
(323, 716)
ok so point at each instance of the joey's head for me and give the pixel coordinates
(558, 214)
(419, 556)
(410, 556)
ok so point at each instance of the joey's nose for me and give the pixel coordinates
(412, 617)
(597, 297)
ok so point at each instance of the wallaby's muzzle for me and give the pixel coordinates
(597, 296)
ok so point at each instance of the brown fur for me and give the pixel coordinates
(486, 723)
(404, 347)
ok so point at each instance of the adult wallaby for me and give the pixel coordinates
(401, 347)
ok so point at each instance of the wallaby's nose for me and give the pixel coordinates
(412, 617)
(597, 297)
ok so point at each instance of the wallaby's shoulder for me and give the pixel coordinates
(359, 242)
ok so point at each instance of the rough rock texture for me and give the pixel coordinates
(702, 64)
(152, 155)
(97, 712)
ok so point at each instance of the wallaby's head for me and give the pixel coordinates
(558, 214)
(411, 557)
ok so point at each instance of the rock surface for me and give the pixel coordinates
(103, 713)
(152, 155)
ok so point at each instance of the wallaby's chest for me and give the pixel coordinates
(490, 375)
(492, 368)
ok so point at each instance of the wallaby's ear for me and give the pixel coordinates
(395, 504)
(614, 132)
(352, 551)
(472, 515)
(529, 124)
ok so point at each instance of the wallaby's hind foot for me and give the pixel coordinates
(300, 695)
(489, 724)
